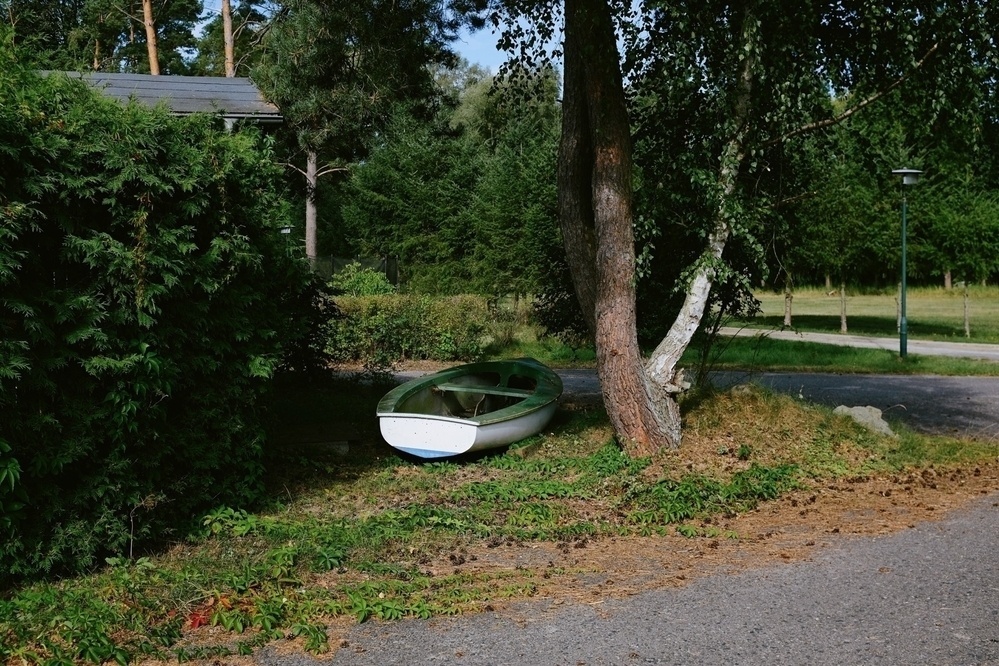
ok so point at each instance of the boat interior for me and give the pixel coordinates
(468, 396)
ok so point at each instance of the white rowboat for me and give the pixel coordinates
(469, 408)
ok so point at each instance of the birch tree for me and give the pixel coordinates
(739, 79)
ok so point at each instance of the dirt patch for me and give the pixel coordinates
(790, 529)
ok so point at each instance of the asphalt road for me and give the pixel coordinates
(965, 406)
(928, 595)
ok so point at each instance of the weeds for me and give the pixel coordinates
(360, 539)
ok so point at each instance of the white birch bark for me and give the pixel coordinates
(661, 368)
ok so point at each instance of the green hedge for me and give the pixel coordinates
(146, 297)
(380, 330)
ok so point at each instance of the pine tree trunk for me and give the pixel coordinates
(151, 49)
(311, 215)
(227, 39)
(595, 210)
(842, 307)
(948, 284)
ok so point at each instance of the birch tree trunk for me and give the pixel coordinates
(227, 39)
(662, 364)
(150, 24)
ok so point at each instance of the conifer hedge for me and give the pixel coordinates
(146, 297)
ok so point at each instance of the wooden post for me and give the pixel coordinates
(967, 319)
(788, 297)
(842, 306)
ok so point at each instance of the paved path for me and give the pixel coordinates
(962, 406)
(923, 347)
(929, 595)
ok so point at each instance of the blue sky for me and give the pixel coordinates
(480, 48)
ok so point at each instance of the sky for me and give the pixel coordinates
(477, 48)
(480, 48)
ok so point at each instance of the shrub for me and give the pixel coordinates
(356, 281)
(147, 299)
(380, 330)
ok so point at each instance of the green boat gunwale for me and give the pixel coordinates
(547, 390)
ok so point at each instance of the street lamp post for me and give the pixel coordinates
(909, 177)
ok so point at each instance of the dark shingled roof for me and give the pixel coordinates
(235, 98)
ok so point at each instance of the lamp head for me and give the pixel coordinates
(909, 176)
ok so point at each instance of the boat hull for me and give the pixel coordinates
(419, 418)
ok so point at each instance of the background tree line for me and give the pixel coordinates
(355, 108)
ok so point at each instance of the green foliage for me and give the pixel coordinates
(356, 281)
(465, 201)
(336, 69)
(148, 299)
(101, 34)
(379, 330)
(676, 501)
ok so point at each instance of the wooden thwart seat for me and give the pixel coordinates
(488, 390)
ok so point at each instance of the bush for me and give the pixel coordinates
(356, 281)
(147, 298)
(380, 330)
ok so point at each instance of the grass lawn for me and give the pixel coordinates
(761, 354)
(932, 314)
(352, 531)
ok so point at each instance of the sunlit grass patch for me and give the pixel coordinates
(764, 353)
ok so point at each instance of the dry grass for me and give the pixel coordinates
(931, 313)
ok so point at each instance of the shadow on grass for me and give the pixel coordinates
(324, 430)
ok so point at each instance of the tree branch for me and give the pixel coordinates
(821, 124)
(328, 169)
